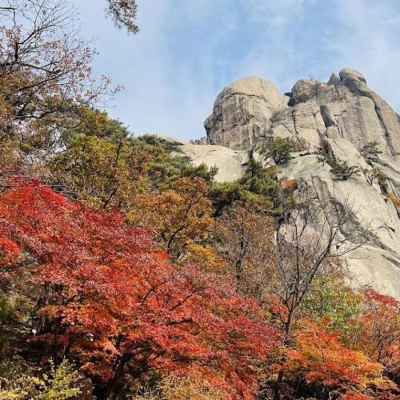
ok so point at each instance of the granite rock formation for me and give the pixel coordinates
(343, 117)
(243, 113)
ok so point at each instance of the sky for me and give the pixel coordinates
(188, 50)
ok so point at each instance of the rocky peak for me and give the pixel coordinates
(348, 74)
(252, 109)
(342, 115)
(243, 112)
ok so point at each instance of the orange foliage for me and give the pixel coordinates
(355, 396)
(288, 185)
(122, 309)
(178, 217)
(321, 359)
(380, 330)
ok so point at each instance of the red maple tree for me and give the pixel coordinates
(108, 298)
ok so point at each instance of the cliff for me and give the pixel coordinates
(341, 122)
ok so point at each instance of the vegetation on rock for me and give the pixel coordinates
(279, 149)
(341, 170)
(371, 152)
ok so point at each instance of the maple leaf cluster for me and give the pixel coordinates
(357, 359)
(322, 359)
(110, 300)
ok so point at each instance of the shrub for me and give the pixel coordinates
(321, 359)
(371, 152)
(279, 149)
(61, 383)
(332, 303)
(174, 388)
(342, 170)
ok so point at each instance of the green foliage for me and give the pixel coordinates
(224, 195)
(331, 301)
(371, 152)
(260, 181)
(97, 123)
(165, 168)
(168, 164)
(6, 310)
(259, 187)
(341, 170)
(279, 149)
(200, 171)
(61, 383)
(102, 165)
(105, 296)
(167, 144)
(97, 171)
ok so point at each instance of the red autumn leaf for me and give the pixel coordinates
(120, 308)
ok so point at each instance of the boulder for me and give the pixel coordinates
(304, 90)
(352, 75)
(230, 163)
(242, 113)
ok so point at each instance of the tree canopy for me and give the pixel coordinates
(124, 13)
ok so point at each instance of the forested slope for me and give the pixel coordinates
(126, 272)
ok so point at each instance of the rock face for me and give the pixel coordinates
(344, 116)
(243, 112)
(230, 163)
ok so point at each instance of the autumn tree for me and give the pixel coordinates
(179, 216)
(245, 238)
(103, 173)
(108, 299)
(311, 235)
(379, 333)
(349, 347)
(45, 76)
(325, 365)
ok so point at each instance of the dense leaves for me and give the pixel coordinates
(321, 359)
(379, 336)
(62, 382)
(179, 216)
(115, 304)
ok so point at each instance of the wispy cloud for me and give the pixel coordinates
(368, 40)
(188, 50)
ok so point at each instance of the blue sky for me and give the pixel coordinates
(188, 50)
